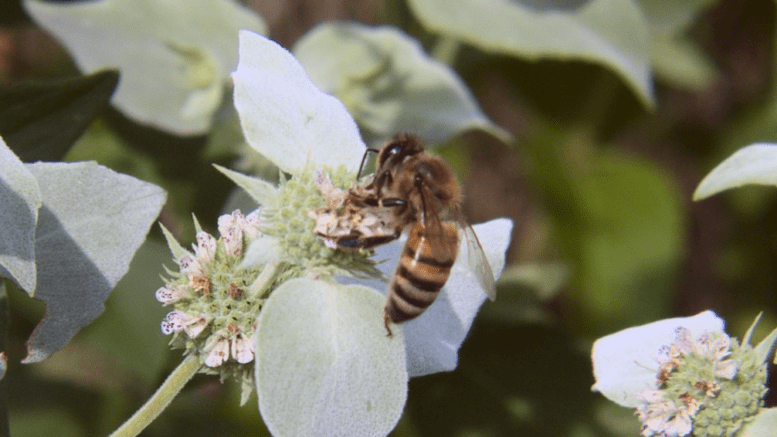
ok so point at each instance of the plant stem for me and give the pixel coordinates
(160, 400)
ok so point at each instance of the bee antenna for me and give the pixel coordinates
(364, 159)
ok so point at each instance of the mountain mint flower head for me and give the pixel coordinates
(702, 382)
(216, 302)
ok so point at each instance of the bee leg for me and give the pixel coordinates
(386, 321)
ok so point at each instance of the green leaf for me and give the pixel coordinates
(763, 424)
(681, 63)
(389, 84)
(547, 279)
(42, 420)
(175, 247)
(174, 59)
(613, 33)
(324, 364)
(749, 334)
(669, 17)
(754, 164)
(4, 323)
(129, 330)
(40, 121)
(263, 192)
(765, 348)
(20, 199)
(619, 223)
(629, 240)
(90, 225)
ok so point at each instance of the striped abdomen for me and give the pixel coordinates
(423, 269)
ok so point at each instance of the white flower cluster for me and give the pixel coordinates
(209, 290)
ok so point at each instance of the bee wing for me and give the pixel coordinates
(478, 262)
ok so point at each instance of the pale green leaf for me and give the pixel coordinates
(285, 117)
(175, 247)
(324, 364)
(749, 334)
(625, 363)
(20, 199)
(546, 278)
(613, 33)
(90, 225)
(763, 424)
(389, 84)
(128, 331)
(681, 63)
(263, 250)
(629, 237)
(174, 58)
(669, 17)
(263, 192)
(755, 164)
(197, 226)
(765, 348)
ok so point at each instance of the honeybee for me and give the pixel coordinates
(415, 191)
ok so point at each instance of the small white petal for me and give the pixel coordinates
(726, 369)
(243, 348)
(250, 226)
(164, 295)
(173, 322)
(206, 247)
(195, 326)
(217, 349)
(191, 267)
(229, 221)
(233, 241)
(625, 363)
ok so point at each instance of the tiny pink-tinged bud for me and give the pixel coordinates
(250, 225)
(229, 221)
(206, 248)
(171, 293)
(195, 326)
(191, 267)
(726, 369)
(173, 322)
(233, 241)
(217, 349)
(243, 348)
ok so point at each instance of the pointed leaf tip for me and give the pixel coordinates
(263, 192)
(754, 164)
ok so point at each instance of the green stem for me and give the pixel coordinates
(160, 400)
